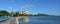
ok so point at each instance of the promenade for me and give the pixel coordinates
(8, 21)
(14, 20)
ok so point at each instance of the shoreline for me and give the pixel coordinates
(11, 20)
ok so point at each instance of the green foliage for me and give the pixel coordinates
(17, 13)
(42, 15)
(3, 13)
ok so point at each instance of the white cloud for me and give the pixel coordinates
(10, 7)
(26, 6)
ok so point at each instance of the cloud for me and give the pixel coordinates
(11, 0)
(10, 7)
(26, 6)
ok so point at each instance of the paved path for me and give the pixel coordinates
(14, 20)
(7, 21)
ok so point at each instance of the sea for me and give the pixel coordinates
(42, 20)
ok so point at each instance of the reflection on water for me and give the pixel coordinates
(43, 20)
(23, 20)
(37, 20)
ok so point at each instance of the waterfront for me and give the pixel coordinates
(42, 20)
(3, 18)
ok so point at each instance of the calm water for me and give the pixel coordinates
(44, 20)
(3, 18)
(40, 19)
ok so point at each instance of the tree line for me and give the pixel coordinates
(17, 13)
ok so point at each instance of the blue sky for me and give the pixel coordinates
(50, 7)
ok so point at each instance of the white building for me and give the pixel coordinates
(24, 12)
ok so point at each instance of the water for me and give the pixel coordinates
(40, 19)
(3, 18)
(44, 20)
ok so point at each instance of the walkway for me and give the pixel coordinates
(15, 20)
(7, 21)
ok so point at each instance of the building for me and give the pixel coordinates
(24, 12)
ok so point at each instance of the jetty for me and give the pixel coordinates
(14, 20)
(7, 21)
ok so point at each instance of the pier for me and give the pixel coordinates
(15, 20)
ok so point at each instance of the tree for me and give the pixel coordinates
(4, 13)
(42, 15)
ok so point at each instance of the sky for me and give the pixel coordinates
(50, 7)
